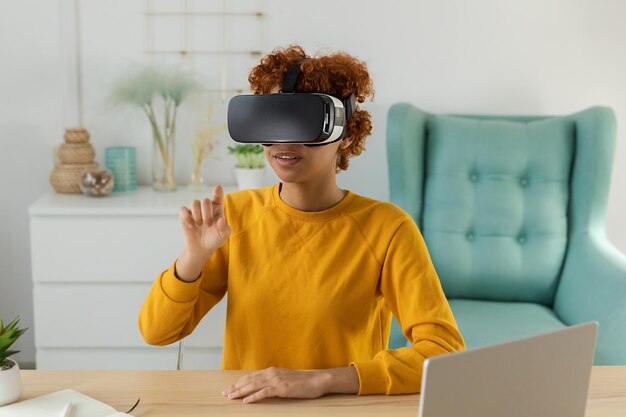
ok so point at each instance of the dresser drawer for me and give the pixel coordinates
(100, 315)
(103, 248)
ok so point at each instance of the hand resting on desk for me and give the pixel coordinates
(289, 383)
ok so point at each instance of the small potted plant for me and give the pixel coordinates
(250, 167)
(10, 377)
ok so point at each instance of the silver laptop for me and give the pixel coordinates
(541, 376)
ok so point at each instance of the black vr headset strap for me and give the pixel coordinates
(291, 78)
(349, 104)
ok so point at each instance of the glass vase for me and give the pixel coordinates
(197, 181)
(163, 161)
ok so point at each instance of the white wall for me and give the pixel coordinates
(487, 56)
(30, 122)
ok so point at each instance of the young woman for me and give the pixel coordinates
(313, 272)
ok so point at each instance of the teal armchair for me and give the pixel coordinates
(512, 209)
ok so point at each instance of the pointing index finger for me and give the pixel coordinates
(218, 194)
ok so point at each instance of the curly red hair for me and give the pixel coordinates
(338, 74)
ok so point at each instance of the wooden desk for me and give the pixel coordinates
(198, 393)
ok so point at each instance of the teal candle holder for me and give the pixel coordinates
(122, 162)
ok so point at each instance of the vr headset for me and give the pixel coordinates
(314, 119)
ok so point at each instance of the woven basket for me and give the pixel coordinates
(77, 135)
(65, 178)
(76, 153)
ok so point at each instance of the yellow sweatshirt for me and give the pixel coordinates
(314, 290)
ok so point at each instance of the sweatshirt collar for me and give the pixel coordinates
(327, 214)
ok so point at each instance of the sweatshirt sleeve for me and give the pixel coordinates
(411, 288)
(173, 308)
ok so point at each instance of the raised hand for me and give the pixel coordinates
(205, 229)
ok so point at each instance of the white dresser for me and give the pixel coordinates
(93, 262)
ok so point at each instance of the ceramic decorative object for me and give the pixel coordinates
(122, 162)
(73, 158)
(157, 92)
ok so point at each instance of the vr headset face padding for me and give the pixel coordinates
(289, 117)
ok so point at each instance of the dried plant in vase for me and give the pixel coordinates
(201, 145)
(157, 91)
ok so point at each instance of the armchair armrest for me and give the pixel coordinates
(593, 280)
(593, 287)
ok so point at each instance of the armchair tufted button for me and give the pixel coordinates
(470, 236)
(473, 177)
(521, 239)
(524, 182)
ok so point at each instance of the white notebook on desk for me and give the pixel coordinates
(53, 405)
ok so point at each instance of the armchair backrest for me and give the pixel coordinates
(491, 196)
